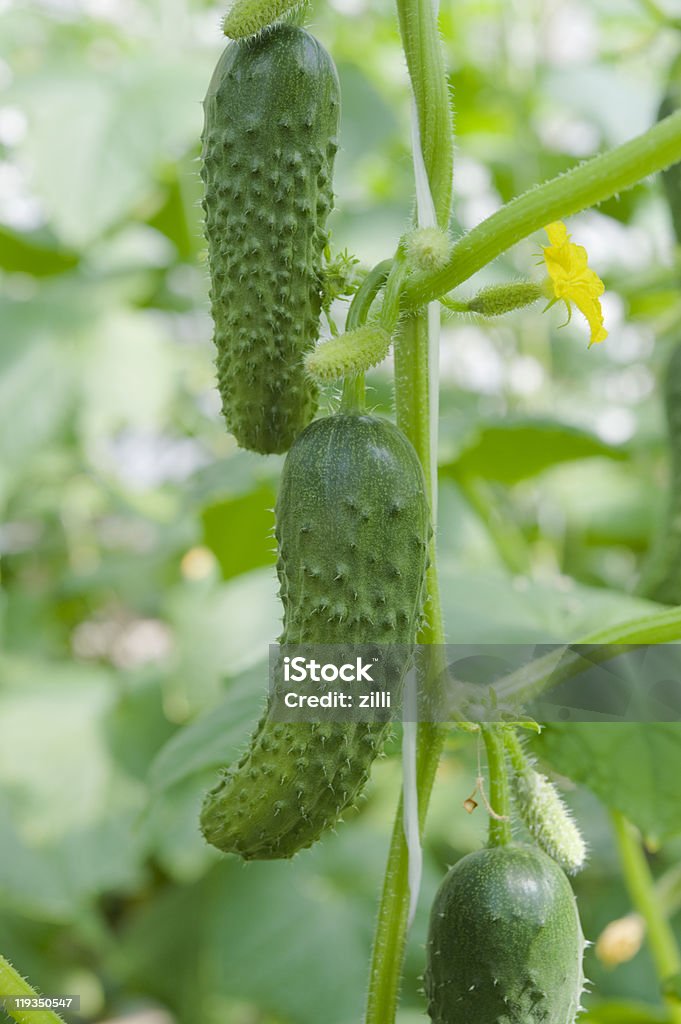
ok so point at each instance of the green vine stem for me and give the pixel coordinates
(499, 799)
(366, 293)
(587, 185)
(354, 394)
(425, 61)
(12, 984)
(418, 26)
(641, 886)
(353, 398)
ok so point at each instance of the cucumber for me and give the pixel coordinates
(353, 528)
(505, 944)
(270, 137)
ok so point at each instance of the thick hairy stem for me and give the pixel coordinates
(425, 61)
(499, 798)
(586, 185)
(641, 887)
(12, 984)
(415, 391)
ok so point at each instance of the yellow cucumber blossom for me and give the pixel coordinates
(571, 279)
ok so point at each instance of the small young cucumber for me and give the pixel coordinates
(269, 142)
(505, 944)
(353, 529)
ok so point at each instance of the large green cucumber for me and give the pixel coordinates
(505, 943)
(269, 142)
(353, 530)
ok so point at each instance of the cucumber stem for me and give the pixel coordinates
(641, 886)
(499, 798)
(413, 382)
(12, 984)
(354, 394)
(366, 293)
(586, 185)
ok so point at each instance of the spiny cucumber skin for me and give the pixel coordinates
(353, 529)
(548, 820)
(248, 17)
(662, 577)
(271, 118)
(505, 944)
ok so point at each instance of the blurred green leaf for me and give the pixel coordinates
(633, 767)
(96, 141)
(493, 607)
(72, 808)
(33, 253)
(188, 765)
(220, 630)
(515, 449)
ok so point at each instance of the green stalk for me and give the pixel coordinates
(586, 185)
(354, 394)
(418, 26)
(425, 61)
(12, 984)
(641, 887)
(366, 293)
(499, 798)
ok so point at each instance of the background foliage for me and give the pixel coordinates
(138, 593)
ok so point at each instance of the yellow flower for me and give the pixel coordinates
(571, 280)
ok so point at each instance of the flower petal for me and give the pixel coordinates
(572, 280)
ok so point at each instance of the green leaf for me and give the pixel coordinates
(489, 606)
(515, 449)
(251, 519)
(188, 765)
(96, 141)
(220, 630)
(71, 811)
(34, 253)
(633, 767)
(286, 938)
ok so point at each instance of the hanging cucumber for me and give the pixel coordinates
(269, 142)
(353, 530)
(505, 944)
